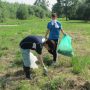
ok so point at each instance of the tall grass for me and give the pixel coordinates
(80, 64)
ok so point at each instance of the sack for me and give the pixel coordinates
(33, 60)
(65, 46)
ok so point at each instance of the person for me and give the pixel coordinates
(53, 29)
(31, 43)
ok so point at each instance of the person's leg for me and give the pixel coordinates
(26, 62)
(55, 51)
(54, 55)
(27, 71)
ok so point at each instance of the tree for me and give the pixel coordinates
(87, 1)
(3, 11)
(39, 12)
(57, 8)
(31, 11)
(22, 12)
(64, 7)
(86, 14)
(83, 11)
(43, 3)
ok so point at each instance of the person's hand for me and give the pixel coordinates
(46, 37)
(65, 34)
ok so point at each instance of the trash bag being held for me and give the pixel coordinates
(65, 46)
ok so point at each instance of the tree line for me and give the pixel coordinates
(73, 9)
(22, 11)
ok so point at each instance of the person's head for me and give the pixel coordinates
(49, 44)
(54, 16)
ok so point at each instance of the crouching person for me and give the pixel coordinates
(31, 43)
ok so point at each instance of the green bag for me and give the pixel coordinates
(65, 46)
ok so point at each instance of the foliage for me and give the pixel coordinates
(73, 9)
(22, 12)
(86, 14)
(57, 8)
(83, 11)
(42, 3)
(39, 12)
(3, 12)
(65, 7)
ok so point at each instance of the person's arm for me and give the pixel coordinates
(47, 32)
(41, 60)
(43, 65)
(63, 32)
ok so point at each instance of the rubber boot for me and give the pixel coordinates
(27, 72)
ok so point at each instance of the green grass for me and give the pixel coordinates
(80, 64)
(11, 59)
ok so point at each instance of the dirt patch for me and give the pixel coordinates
(77, 84)
(8, 25)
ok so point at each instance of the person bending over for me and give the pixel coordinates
(31, 43)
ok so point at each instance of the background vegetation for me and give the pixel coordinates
(22, 11)
(71, 9)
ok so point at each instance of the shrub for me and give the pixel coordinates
(22, 12)
(31, 10)
(39, 12)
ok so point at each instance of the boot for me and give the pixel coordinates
(27, 72)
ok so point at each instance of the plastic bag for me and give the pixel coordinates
(33, 60)
(65, 46)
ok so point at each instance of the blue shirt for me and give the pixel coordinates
(54, 32)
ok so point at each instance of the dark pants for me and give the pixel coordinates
(53, 48)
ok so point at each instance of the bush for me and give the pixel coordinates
(3, 12)
(12, 9)
(86, 14)
(1, 15)
(22, 12)
(31, 10)
(39, 12)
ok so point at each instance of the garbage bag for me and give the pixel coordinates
(33, 60)
(65, 46)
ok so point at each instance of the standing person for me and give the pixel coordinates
(53, 29)
(31, 43)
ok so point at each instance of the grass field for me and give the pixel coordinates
(69, 73)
